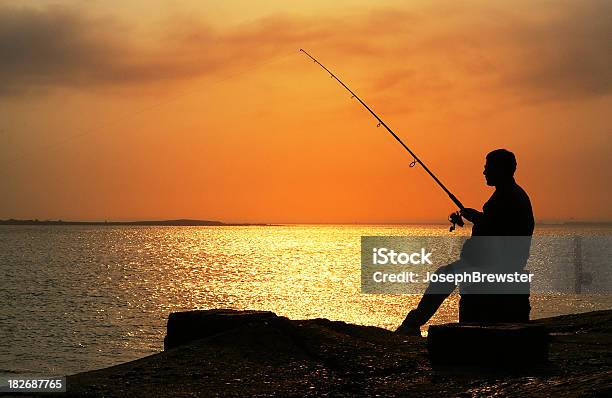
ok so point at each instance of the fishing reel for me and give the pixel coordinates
(455, 219)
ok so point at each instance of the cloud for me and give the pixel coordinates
(549, 51)
(568, 55)
(59, 47)
(53, 47)
(442, 50)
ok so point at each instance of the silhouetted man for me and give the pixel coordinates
(507, 213)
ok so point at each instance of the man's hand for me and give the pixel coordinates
(472, 215)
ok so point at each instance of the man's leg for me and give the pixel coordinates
(494, 308)
(434, 296)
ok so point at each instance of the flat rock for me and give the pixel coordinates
(494, 346)
(184, 327)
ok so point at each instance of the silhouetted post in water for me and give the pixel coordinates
(505, 223)
(581, 277)
(578, 264)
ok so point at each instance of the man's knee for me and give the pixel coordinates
(448, 268)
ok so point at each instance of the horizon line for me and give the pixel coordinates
(187, 221)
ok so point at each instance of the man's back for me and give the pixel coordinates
(508, 212)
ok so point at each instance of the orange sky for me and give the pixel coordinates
(191, 109)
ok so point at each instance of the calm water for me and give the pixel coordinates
(77, 298)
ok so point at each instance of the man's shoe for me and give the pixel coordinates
(411, 325)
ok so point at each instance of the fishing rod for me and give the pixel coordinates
(454, 218)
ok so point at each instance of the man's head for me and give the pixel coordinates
(499, 167)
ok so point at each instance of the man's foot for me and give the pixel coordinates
(411, 326)
(408, 330)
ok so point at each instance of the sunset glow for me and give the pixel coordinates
(208, 110)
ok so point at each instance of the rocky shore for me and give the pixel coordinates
(234, 353)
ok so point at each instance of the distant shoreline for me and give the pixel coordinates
(156, 223)
(213, 223)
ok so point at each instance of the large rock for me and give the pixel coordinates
(498, 345)
(184, 327)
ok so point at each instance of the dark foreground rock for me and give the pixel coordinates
(260, 354)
